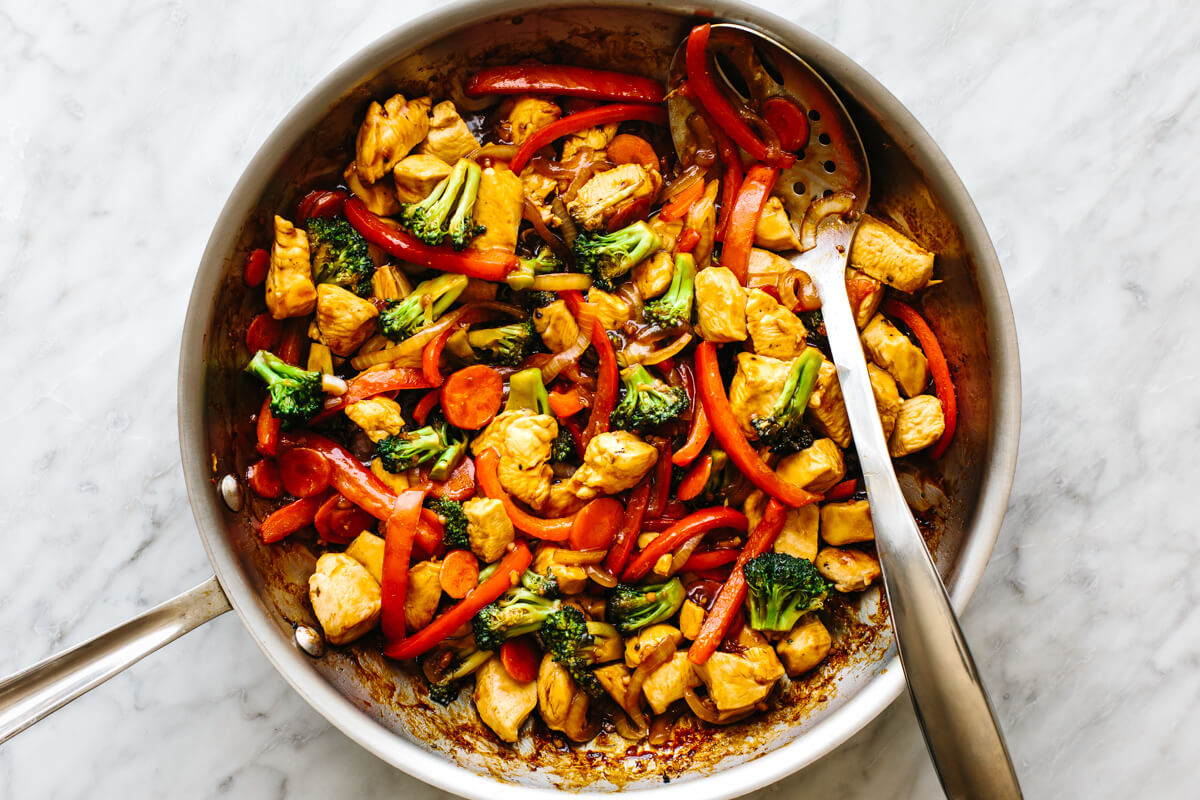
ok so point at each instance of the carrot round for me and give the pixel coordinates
(472, 396)
(460, 573)
(788, 120)
(596, 524)
(264, 333)
(304, 472)
(257, 265)
(520, 658)
(263, 477)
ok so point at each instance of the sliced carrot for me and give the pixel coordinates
(263, 477)
(472, 396)
(427, 403)
(596, 524)
(694, 481)
(460, 573)
(304, 472)
(678, 206)
(567, 403)
(339, 521)
(267, 430)
(520, 658)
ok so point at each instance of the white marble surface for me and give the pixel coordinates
(1073, 124)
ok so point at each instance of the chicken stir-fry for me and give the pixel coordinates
(493, 356)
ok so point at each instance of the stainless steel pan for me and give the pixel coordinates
(373, 701)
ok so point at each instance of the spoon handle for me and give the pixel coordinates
(959, 724)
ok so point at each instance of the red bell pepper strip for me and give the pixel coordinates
(567, 403)
(942, 381)
(687, 240)
(339, 521)
(662, 480)
(264, 333)
(842, 490)
(608, 378)
(257, 265)
(431, 357)
(693, 524)
(718, 107)
(427, 404)
(295, 335)
(490, 265)
(733, 593)
(348, 475)
(710, 559)
(631, 526)
(369, 384)
(694, 481)
(699, 430)
(400, 531)
(515, 562)
(679, 205)
(291, 518)
(743, 219)
(459, 486)
(267, 430)
(319, 204)
(598, 84)
(733, 441)
(601, 115)
(555, 529)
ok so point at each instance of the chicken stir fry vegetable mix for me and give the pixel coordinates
(561, 416)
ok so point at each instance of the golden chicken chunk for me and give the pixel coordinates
(865, 294)
(571, 578)
(774, 230)
(667, 233)
(755, 388)
(503, 702)
(598, 198)
(538, 189)
(849, 570)
(639, 646)
(416, 175)
(423, 594)
(523, 440)
(691, 618)
(615, 680)
(720, 306)
(817, 467)
(765, 268)
(666, 684)
(887, 255)
(556, 691)
(827, 406)
(290, 289)
(920, 422)
(488, 528)
(556, 325)
(738, 680)
(653, 276)
(806, 645)
(593, 138)
(847, 523)
(892, 350)
(563, 501)
(378, 416)
(344, 319)
(887, 398)
(524, 115)
(367, 549)
(379, 198)
(498, 207)
(612, 311)
(345, 598)
(614, 461)
(449, 138)
(799, 535)
(388, 133)
(774, 331)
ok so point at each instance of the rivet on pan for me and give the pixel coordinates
(231, 492)
(310, 641)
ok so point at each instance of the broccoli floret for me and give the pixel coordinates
(295, 393)
(527, 392)
(563, 446)
(449, 209)
(814, 326)
(544, 585)
(646, 401)
(532, 301)
(574, 642)
(527, 269)
(517, 612)
(437, 442)
(454, 522)
(428, 301)
(781, 589)
(631, 608)
(784, 430)
(340, 255)
(675, 307)
(506, 345)
(608, 256)
(449, 665)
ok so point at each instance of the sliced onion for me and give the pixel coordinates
(534, 218)
(700, 707)
(500, 152)
(601, 576)
(625, 727)
(640, 353)
(576, 726)
(559, 361)
(633, 695)
(704, 152)
(562, 282)
(414, 344)
(568, 225)
(579, 556)
(685, 552)
(686, 178)
(660, 728)
(836, 203)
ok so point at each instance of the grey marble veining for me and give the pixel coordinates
(1073, 124)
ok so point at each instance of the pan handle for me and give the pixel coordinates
(49, 685)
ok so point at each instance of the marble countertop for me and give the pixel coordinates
(1074, 126)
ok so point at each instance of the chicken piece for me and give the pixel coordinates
(388, 133)
(538, 189)
(887, 398)
(493, 436)
(423, 594)
(562, 502)
(653, 275)
(755, 388)
(849, 570)
(765, 268)
(667, 233)
(556, 690)
(816, 468)
(344, 319)
(720, 306)
(892, 350)
(345, 598)
(596, 139)
(503, 702)
(598, 198)
(499, 207)
(523, 469)
(378, 416)
(827, 406)
(519, 436)
(556, 325)
(614, 461)
(530, 485)
(799, 535)
(702, 218)
(847, 523)
(524, 115)
(806, 645)
(290, 288)
(666, 684)
(489, 529)
(367, 549)
(691, 617)
(379, 198)
(415, 176)
(449, 138)
(389, 283)
(612, 311)
(865, 295)
(739, 680)
(637, 647)
(572, 578)
(774, 230)
(397, 483)
(615, 680)
(774, 331)
(887, 255)
(920, 422)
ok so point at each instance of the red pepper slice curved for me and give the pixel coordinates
(598, 84)
(320, 204)
(662, 480)
(267, 430)
(733, 441)
(459, 486)
(291, 518)
(400, 531)
(426, 404)
(339, 521)
(693, 524)
(842, 490)
(257, 265)
(555, 529)
(942, 380)
(710, 559)
(743, 219)
(506, 575)
(694, 481)
(431, 357)
(608, 378)
(489, 265)
(601, 115)
(369, 384)
(348, 475)
(631, 526)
